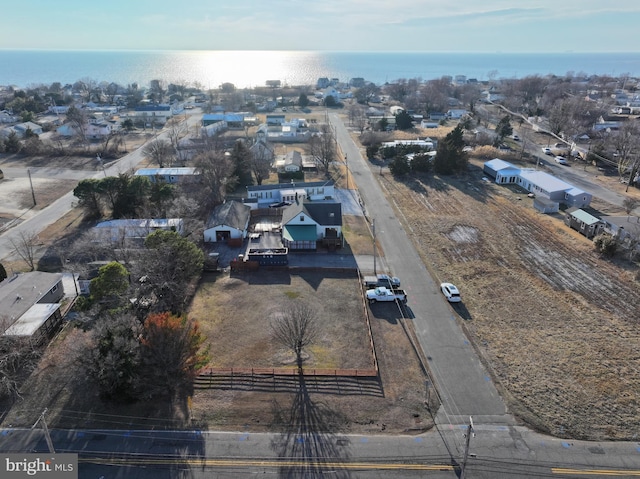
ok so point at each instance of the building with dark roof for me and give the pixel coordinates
(228, 221)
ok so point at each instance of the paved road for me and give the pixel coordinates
(496, 452)
(464, 385)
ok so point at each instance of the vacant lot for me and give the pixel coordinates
(235, 312)
(556, 324)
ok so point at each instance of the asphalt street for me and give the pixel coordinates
(464, 386)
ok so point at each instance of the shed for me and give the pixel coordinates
(545, 205)
(583, 222)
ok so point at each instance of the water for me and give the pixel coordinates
(244, 69)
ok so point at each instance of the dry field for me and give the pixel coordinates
(556, 324)
(234, 312)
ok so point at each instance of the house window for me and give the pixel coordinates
(301, 217)
(54, 289)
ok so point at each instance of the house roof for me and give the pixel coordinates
(153, 108)
(299, 233)
(32, 319)
(323, 213)
(282, 186)
(21, 291)
(629, 223)
(497, 164)
(166, 171)
(545, 180)
(142, 223)
(232, 213)
(582, 215)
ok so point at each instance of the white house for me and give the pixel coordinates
(456, 113)
(152, 113)
(304, 223)
(289, 192)
(118, 230)
(169, 175)
(228, 221)
(537, 182)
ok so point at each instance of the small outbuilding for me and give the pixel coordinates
(228, 222)
(583, 222)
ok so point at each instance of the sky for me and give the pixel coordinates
(323, 25)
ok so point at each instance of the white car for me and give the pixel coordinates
(561, 160)
(450, 292)
(547, 151)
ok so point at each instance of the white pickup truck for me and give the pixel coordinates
(385, 294)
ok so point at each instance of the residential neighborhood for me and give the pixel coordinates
(216, 215)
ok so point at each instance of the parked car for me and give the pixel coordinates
(450, 292)
(547, 151)
(515, 138)
(561, 159)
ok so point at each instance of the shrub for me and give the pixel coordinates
(605, 244)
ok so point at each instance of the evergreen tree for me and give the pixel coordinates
(241, 157)
(449, 157)
(404, 121)
(303, 101)
(504, 128)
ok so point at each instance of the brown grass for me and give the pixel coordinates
(555, 323)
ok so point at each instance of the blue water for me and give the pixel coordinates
(253, 68)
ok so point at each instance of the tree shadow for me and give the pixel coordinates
(311, 444)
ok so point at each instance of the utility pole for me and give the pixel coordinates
(47, 436)
(470, 431)
(33, 193)
(346, 165)
(373, 229)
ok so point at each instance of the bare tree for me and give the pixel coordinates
(262, 156)
(322, 147)
(160, 151)
(216, 173)
(78, 120)
(358, 117)
(18, 357)
(26, 246)
(176, 132)
(295, 327)
(626, 142)
(629, 204)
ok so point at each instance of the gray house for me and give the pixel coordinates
(29, 305)
(541, 184)
(625, 228)
(583, 222)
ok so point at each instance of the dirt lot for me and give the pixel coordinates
(234, 313)
(556, 324)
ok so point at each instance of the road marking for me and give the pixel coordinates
(594, 472)
(267, 463)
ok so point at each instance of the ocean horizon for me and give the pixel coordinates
(247, 69)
